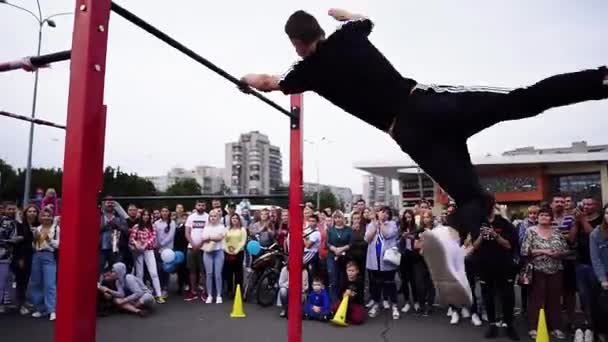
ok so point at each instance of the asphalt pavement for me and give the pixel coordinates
(179, 321)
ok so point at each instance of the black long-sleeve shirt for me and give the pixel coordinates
(349, 71)
(357, 287)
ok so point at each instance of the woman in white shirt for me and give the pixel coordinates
(43, 282)
(213, 257)
(165, 234)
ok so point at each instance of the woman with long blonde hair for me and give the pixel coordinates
(43, 282)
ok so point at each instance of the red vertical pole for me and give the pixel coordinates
(296, 244)
(82, 176)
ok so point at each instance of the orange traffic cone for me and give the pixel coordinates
(237, 307)
(542, 333)
(340, 316)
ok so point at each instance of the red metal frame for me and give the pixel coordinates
(296, 244)
(83, 168)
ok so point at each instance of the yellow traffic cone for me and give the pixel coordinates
(340, 316)
(237, 307)
(542, 333)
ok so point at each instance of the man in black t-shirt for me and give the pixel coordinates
(587, 219)
(497, 269)
(349, 71)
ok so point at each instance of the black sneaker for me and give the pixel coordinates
(492, 331)
(512, 334)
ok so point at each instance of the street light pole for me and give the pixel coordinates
(30, 145)
(318, 166)
(41, 22)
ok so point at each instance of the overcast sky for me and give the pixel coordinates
(164, 110)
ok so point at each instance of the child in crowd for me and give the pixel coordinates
(284, 289)
(317, 305)
(354, 288)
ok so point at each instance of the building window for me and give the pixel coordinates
(577, 185)
(510, 184)
(254, 177)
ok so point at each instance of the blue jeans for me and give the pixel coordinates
(335, 271)
(214, 264)
(43, 282)
(585, 279)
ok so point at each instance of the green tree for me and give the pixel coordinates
(9, 182)
(326, 199)
(186, 186)
(224, 190)
(44, 179)
(118, 183)
(12, 181)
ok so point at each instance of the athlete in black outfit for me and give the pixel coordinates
(349, 71)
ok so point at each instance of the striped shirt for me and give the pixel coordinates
(313, 250)
(563, 225)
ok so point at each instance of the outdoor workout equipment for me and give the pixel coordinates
(83, 168)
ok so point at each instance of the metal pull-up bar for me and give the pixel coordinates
(31, 63)
(137, 21)
(36, 121)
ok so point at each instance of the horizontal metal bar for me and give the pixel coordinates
(29, 63)
(36, 121)
(194, 197)
(51, 58)
(137, 21)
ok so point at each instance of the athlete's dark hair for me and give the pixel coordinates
(304, 27)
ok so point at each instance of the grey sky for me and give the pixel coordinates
(164, 110)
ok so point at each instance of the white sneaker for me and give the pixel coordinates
(465, 313)
(588, 336)
(533, 334)
(373, 311)
(450, 311)
(386, 305)
(218, 300)
(37, 314)
(445, 260)
(209, 300)
(484, 317)
(24, 311)
(579, 336)
(476, 320)
(558, 334)
(455, 318)
(52, 316)
(416, 307)
(395, 312)
(370, 304)
(406, 308)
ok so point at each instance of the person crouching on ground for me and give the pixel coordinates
(131, 294)
(317, 305)
(353, 288)
(284, 289)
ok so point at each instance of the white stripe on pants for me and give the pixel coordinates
(148, 257)
(4, 281)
